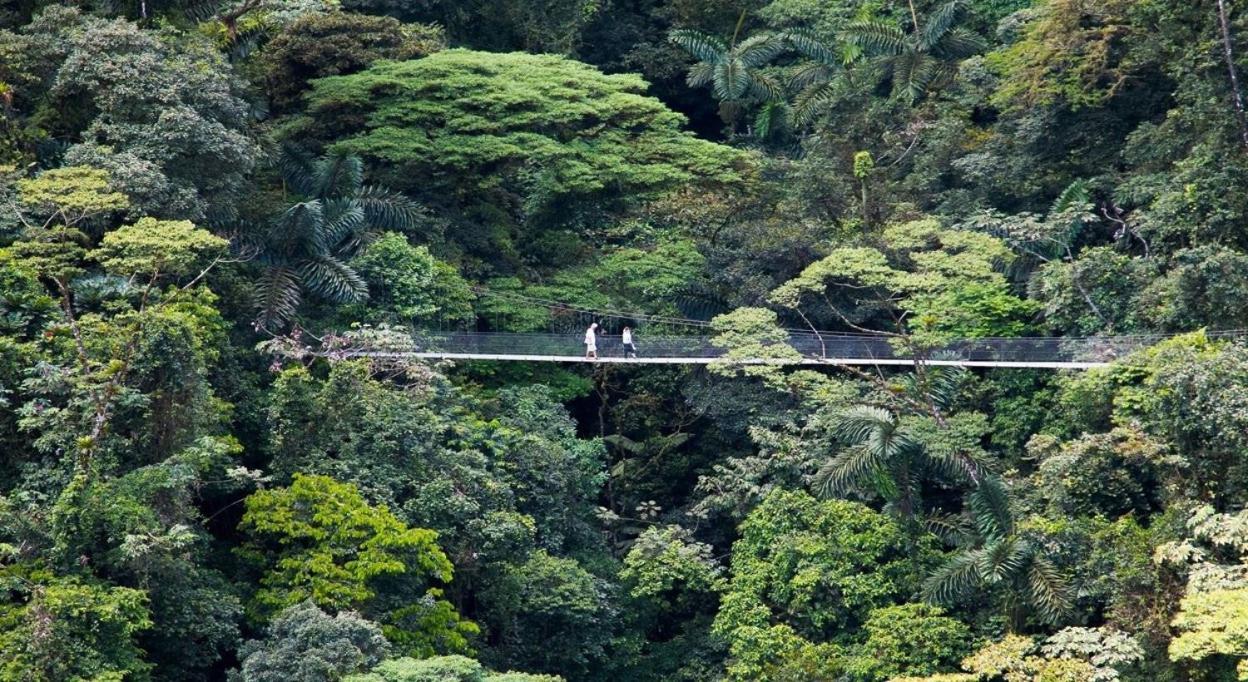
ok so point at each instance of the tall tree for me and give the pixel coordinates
(924, 59)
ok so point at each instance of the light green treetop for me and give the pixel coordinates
(936, 284)
(70, 195)
(152, 247)
(321, 540)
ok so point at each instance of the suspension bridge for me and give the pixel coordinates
(556, 329)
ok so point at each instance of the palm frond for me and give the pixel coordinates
(810, 75)
(1048, 591)
(732, 80)
(703, 46)
(957, 464)
(1076, 193)
(759, 49)
(388, 210)
(812, 101)
(877, 37)
(959, 43)
(954, 580)
(851, 468)
(332, 279)
(952, 529)
(276, 297)
(913, 72)
(999, 561)
(345, 223)
(941, 20)
(700, 74)
(298, 169)
(201, 11)
(990, 508)
(809, 44)
(300, 224)
(861, 422)
(246, 41)
(338, 175)
(766, 88)
(770, 118)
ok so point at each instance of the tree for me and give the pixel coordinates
(892, 456)
(442, 669)
(529, 145)
(162, 113)
(927, 286)
(148, 254)
(909, 639)
(306, 247)
(319, 540)
(1002, 561)
(337, 44)
(305, 644)
(549, 613)
(69, 196)
(407, 283)
(69, 628)
(822, 78)
(923, 60)
(807, 571)
(732, 69)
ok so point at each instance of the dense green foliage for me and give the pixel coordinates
(206, 208)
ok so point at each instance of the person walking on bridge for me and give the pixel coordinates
(591, 341)
(626, 339)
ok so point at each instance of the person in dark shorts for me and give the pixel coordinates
(630, 351)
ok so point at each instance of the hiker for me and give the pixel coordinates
(630, 351)
(591, 341)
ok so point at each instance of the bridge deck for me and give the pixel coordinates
(609, 360)
(799, 348)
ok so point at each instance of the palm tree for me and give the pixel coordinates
(924, 59)
(732, 68)
(823, 77)
(306, 247)
(998, 560)
(884, 455)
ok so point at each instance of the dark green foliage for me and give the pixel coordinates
(162, 112)
(924, 57)
(337, 44)
(305, 643)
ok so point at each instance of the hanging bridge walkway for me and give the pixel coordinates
(800, 349)
(663, 340)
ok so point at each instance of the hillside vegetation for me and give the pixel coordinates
(202, 202)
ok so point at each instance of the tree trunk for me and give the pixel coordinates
(1229, 54)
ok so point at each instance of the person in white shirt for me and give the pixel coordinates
(630, 351)
(591, 341)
